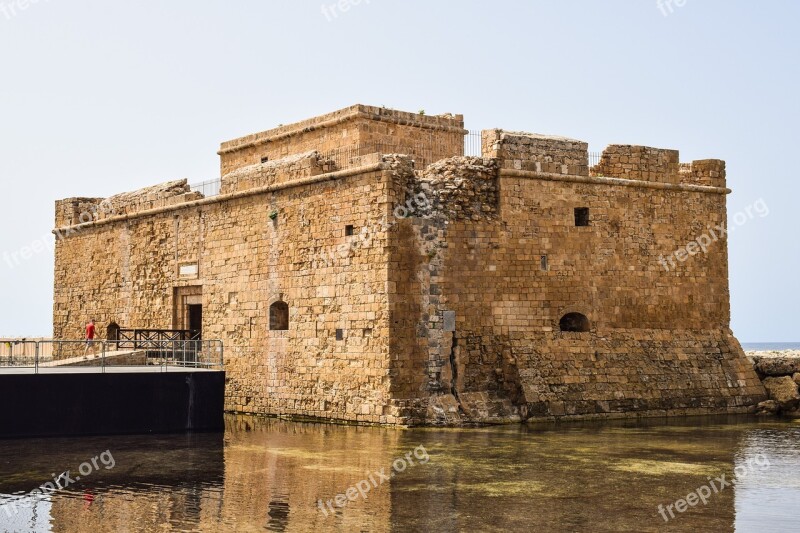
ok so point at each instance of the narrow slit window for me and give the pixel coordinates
(543, 263)
(339, 334)
(349, 230)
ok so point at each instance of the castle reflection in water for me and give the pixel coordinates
(268, 474)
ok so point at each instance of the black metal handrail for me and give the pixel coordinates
(53, 355)
(153, 338)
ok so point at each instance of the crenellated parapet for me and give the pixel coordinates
(709, 172)
(74, 211)
(535, 152)
(639, 163)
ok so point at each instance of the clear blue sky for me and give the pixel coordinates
(100, 97)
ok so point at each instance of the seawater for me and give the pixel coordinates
(273, 475)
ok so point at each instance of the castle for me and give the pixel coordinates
(359, 267)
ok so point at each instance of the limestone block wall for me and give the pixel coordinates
(360, 128)
(541, 153)
(249, 251)
(710, 172)
(506, 274)
(639, 163)
(425, 294)
(161, 195)
(72, 211)
(284, 170)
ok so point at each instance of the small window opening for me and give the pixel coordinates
(265, 159)
(543, 263)
(581, 216)
(279, 316)
(348, 230)
(574, 322)
(339, 334)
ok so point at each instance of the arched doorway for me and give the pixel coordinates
(574, 322)
(112, 332)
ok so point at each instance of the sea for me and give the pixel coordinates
(769, 346)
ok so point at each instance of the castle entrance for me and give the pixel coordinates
(187, 313)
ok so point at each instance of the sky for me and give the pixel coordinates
(104, 96)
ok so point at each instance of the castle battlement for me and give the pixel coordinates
(359, 136)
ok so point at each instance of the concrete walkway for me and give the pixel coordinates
(149, 369)
(81, 359)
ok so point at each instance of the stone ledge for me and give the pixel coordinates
(597, 180)
(64, 231)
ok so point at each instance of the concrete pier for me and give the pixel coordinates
(67, 401)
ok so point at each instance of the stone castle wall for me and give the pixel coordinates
(250, 251)
(362, 129)
(505, 273)
(541, 153)
(427, 295)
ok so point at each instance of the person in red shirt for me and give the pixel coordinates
(90, 333)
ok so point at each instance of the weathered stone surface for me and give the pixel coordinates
(768, 407)
(541, 153)
(352, 132)
(639, 163)
(777, 366)
(275, 172)
(784, 391)
(425, 294)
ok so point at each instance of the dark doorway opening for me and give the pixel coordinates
(195, 321)
(112, 332)
(574, 322)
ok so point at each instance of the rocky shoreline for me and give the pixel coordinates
(779, 371)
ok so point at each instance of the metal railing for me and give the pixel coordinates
(138, 338)
(472, 144)
(53, 355)
(207, 188)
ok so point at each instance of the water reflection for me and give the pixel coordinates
(765, 494)
(272, 475)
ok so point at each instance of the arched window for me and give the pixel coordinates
(112, 332)
(574, 322)
(279, 316)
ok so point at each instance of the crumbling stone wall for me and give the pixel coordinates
(659, 340)
(639, 163)
(541, 153)
(273, 172)
(709, 172)
(74, 211)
